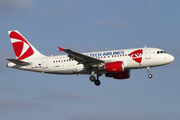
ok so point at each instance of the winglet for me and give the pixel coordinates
(60, 49)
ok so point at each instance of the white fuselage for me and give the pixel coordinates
(132, 58)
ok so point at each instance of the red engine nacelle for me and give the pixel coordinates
(115, 67)
(121, 75)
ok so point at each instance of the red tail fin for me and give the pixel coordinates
(22, 48)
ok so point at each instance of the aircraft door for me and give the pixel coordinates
(147, 53)
(44, 63)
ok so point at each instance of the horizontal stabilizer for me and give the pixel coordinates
(17, 62)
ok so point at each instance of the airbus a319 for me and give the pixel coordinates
(115, 63)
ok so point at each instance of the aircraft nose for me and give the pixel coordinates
(171, 58)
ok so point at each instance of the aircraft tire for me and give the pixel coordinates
(97, 82)
(150, 76)
(92, 78)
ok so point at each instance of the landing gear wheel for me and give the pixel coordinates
(92, 78)
(97, 82)
(150, 76)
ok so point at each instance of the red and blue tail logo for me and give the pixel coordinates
(22, 47)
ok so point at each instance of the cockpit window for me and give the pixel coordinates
(160, 52)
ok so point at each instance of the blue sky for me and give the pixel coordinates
(84, 26)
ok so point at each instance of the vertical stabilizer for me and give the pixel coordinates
(22, 48)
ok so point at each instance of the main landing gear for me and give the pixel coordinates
(149, 75)
(92, 78)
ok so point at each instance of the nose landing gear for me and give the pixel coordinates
(149, 75)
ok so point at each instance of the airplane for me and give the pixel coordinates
(115, 63)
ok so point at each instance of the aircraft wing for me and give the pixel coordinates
(87, 61)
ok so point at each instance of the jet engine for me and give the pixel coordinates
(122, 75)
(115, 67)
(112, 67)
